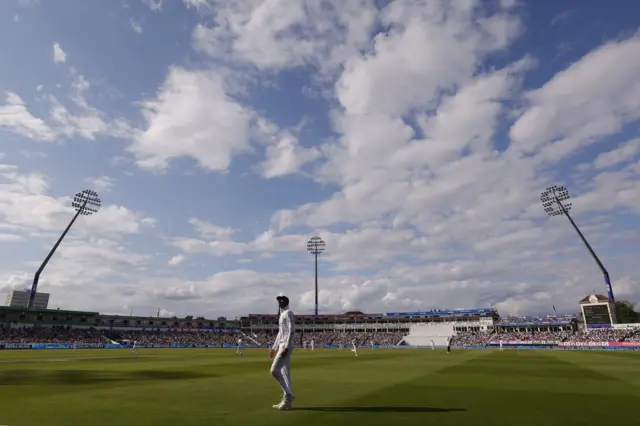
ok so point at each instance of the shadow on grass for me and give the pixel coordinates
(90, 377)
(381, 409)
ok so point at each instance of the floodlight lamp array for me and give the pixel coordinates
(553, 198)
(86, 202)
(316, 245)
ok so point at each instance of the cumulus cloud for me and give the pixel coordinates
(180, 123)
(24, 203)
(176, 260)
(155, 5)
(59, 55)
(15, 117)
(136, 26)
(101, 183)
(591, 99)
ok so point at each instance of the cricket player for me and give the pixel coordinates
(239, 350)
(501, 348)
(448, 345)
(433, 346)
(355, 349)
(134, 349)
(281, 353)
(313, 344)
(75, 345)
(373, 346)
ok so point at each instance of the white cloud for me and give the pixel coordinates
(276, 34)
(591, 99)
(618, 155)
(10, 237)
(284, 155)
(59, 55)
(87, 122)
(101, 183)
(136, 26)
(24, 203)
(176, 260)
(155, 5)
(15, 117)
(192, 116)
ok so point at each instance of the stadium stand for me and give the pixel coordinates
(466, 328)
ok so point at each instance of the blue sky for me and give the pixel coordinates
(415, 137)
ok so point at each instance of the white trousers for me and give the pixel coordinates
(281, 370)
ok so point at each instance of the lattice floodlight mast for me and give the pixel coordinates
(86, 203)
(554, 202)
(316, 246)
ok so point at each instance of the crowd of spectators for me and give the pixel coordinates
(601, 335)
(594, 335)
(337, 338)
(548, 318)
(156, 337)
(50, 335)
(68, 335)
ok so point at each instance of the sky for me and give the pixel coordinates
(413, 136)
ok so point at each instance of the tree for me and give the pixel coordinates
(189, 317)
(625, 312)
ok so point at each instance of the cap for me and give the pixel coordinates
(283, 298)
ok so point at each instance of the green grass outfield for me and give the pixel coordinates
(387, 387)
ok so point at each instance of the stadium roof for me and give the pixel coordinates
(46, 311)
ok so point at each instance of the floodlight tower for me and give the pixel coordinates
(552, 200)
(316, 246)
(85, 203)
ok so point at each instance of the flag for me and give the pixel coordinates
(554, 310)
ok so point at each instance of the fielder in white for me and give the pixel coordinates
(281, 353)
(239, 350)
(134, 349)
(373, 346)
(313, 344)
(501, 345)
(355, 349)
(433, 346)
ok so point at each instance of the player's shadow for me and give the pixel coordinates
(382, 409)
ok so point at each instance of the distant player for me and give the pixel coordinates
(304, 344)
(433, 346)
(355, 348)
(75, 345)
(134, 348)
(448, 345)
(239, 349)
(501, 348)
(313, 344)
(373, 346)
(281, 353)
